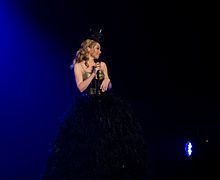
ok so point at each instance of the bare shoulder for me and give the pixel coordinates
(103, 64)
(77, 67)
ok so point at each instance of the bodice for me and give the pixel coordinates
(94, 86)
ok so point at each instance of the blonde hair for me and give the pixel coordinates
(82, 53)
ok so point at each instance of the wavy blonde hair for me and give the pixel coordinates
(82, 53)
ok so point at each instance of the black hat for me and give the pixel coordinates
(96, 35)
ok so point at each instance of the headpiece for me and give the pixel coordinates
(96, 35)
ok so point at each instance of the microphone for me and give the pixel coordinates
(98, 72)
(98, 78)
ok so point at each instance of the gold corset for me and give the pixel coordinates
(94, 86)
(87, 74)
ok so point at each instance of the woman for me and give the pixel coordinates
(99, 137)
(86, 64)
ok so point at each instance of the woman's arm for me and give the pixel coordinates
(82, 85)
(106, 82)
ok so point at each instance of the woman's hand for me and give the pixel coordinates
(104, 85)
(96, 67)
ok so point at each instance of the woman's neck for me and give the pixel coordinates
(91, 60)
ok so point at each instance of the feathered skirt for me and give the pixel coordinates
(98, 138)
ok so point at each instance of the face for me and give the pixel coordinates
(95, 51)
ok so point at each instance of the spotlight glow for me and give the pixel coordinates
(188, 148)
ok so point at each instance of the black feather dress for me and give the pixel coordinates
(98, 138)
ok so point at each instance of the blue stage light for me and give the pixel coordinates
(188, 148)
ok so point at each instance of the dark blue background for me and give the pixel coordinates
(154, 55)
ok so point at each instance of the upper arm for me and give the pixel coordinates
(78, 74)
(105, 69)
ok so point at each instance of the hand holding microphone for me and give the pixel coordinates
(96, 68)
